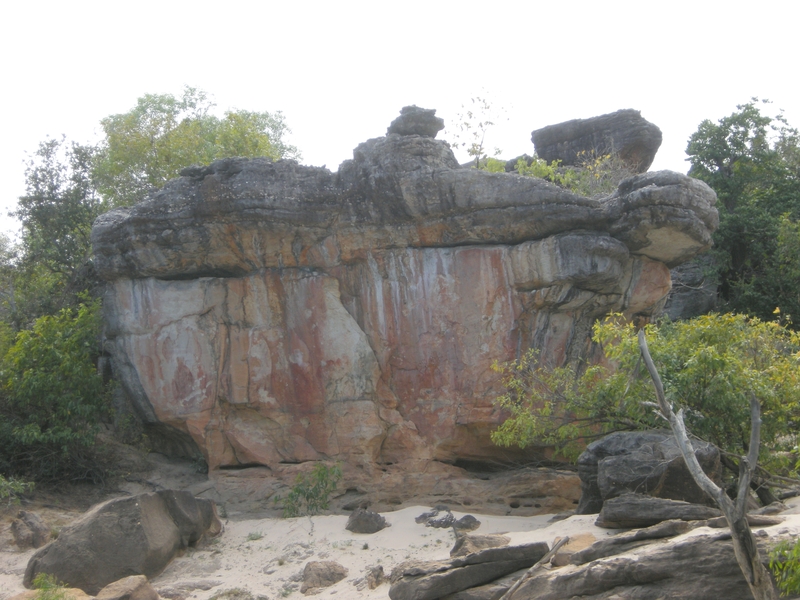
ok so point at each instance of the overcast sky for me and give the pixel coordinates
(341, 71)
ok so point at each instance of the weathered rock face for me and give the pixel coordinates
(624, 132)
(276, 313)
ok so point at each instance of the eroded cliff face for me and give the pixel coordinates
(278, 313)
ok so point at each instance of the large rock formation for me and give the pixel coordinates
(274, 313)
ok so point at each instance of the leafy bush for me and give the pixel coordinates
(596, 174)
(311, 492)
(52, 397)
(710, 365)
(11, 489)
(784, 562)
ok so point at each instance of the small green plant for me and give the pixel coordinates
(11, 489)
(49, 588)
(784, 562)
(254, 536)
(311, 492)
(365, 546)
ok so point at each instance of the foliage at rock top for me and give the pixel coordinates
(275, 314)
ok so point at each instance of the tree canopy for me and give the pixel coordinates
(752, 161)
(150, 144)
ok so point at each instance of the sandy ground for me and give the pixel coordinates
(266, 556)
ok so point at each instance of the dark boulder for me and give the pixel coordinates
(138, 535)
(644, 462)
(363, 520)
(624, 133)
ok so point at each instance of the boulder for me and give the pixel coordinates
(321, 574)
(137, 535)
(375, 577)
(637, 510)
(419, 580)
(466, 523)
(135, 587)
(416, 121)
(645, 462)
(362, 520)
(29, 530)
(698, 566)
(469, 544)
(624, 133)
(273, 314)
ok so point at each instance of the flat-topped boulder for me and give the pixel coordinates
(624, 133)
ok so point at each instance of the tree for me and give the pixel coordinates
(52, 397)
(470, 130)
(744, 542)
(752, 161)
(710, 365)
(150, 144)
(56, 212)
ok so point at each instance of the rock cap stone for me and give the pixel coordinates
(417, 121)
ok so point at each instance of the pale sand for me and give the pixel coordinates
(271, 565)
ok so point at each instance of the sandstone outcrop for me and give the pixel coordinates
(695, 566)
(638, 510)
(416, 580)
(271, 313)
(137, 535)
(644, 462)
(624, 133)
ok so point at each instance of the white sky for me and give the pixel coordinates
(341, 71)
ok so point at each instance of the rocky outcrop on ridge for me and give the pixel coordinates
(268, 313)
(624, 133)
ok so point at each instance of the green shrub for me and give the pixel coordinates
(311, 492)
(52, 398)
(11, 489)
(784, 562)
(710, 366)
